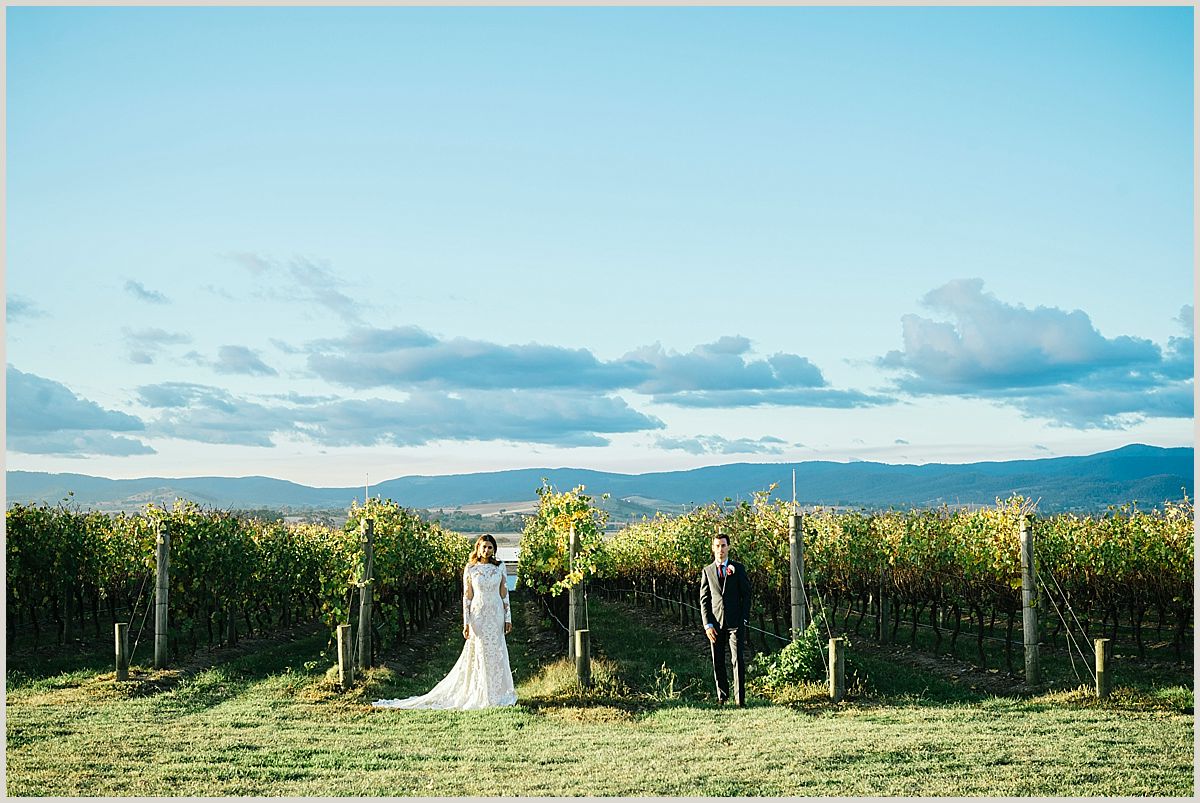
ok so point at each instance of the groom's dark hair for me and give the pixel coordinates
(721, 535)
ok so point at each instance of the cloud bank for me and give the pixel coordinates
(717, 374)
(715, 444)
(46, 417)
(1045, 361)
(213, 415)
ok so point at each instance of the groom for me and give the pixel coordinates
(724, 608)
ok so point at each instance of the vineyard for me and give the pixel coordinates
(243, 720)
(951, 573)
(70, 572)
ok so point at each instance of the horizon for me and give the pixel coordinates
(466, 240)
(581, 468)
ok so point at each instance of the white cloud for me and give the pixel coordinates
(241, 360)
(717, 374)
(715, 444)
(18, 308)
(213, 415)
(139, 291)
(304, 280)
(992, 344)
(47, 417)
(1046, 362)
(145, 344)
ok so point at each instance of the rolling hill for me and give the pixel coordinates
(1147, 474)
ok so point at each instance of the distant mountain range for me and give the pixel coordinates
(1147, 474)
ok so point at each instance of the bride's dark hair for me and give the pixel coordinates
(475, 557)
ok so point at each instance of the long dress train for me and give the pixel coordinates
(481, 678)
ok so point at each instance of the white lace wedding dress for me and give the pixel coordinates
(482, 677)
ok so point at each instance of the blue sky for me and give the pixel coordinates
(318, 244)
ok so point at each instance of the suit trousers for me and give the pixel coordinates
(734, 641)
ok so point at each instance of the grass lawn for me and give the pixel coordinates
(271, 722)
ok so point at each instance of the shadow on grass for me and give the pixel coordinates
(417, 664)
(641, 665)
(204, 680)
(648, 646)
(877, 677)
(1061, 668)
(30, 666)
(622, 689)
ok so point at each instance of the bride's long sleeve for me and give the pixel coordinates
(468, 592)
(504, 593)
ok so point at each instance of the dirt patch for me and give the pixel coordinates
(408, 658)
(146, 681)
(958, 672)
(690, 636)
(412, 652)
(545, 642)
(208, 657)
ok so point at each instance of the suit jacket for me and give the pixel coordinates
(724, 603)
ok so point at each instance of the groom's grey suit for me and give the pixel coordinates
(725, 605)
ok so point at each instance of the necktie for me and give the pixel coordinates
(721, 571)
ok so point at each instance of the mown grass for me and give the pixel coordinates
(273, 723)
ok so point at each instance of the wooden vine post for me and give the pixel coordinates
(575, 607)
(837, 669)
(1103, 680)
(583, 658)
(366, 585)
(1029, 603)
(162, 561)
(796, 555)
(122, 637)
(345, 641)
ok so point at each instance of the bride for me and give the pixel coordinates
(482, 677)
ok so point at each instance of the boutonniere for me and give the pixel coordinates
(730, 570)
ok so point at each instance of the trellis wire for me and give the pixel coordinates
(923, 626)
(546, 608)
(1063, 594)
(1071, 642)
(1070, 636)
(29, 625)
(586, 622)
(354, 589)
(824, 616)
(565, 629)
(697, 608)
(145, 614)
